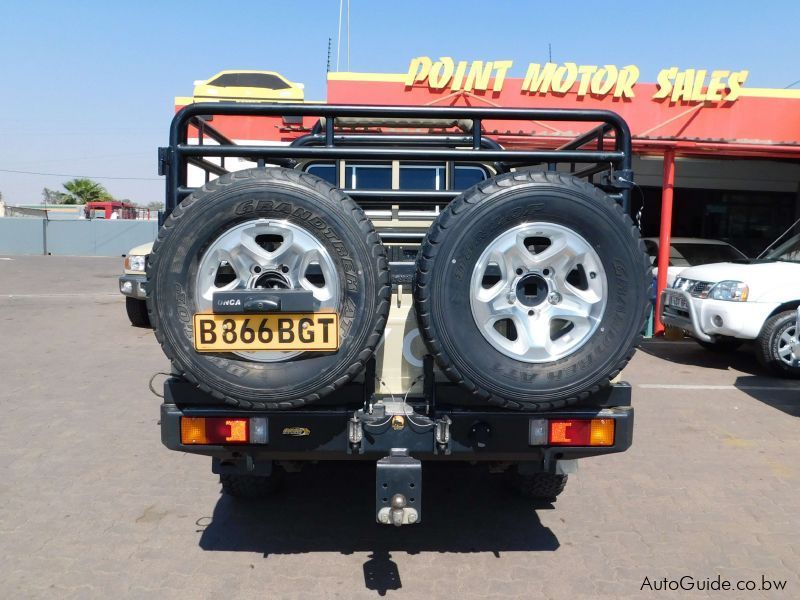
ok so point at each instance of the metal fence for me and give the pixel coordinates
(96, 237)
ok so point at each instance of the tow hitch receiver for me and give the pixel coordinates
(398, 489)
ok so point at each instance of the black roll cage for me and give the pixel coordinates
(327, 143)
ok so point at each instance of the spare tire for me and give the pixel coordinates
(531, 290)
(267, 228)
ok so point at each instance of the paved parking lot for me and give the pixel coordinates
(91, 504)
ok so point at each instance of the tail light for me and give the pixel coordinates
(223, 430)
(582, 432)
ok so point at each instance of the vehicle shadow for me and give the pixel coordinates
(330, 507)
(690, 353)
(782, 394)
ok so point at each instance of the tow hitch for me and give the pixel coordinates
(396, 428)
(398, 489)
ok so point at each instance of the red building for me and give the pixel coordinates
(713, 157)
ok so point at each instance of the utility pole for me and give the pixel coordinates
(339, 37)
(348, 35)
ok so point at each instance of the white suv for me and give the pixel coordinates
(133, 284)
(722, 305)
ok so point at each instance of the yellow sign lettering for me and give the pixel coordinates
(690, 85)
(418, 70)
(716, 86)
(441, 73)
(627, 78)
(538, 79)
(603, 80)
(564, 78)
(585, 72)
(735, 83)
(478, 76)
(672, 83)
(664, 82)
(502, 67)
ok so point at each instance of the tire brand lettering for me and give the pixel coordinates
(501, 222)
(302, 213)
(313, 221)
(244, 208)
(514, 373)
(228, 366)
(182, 310)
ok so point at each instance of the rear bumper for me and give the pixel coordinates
(474, 435)
(133, 286)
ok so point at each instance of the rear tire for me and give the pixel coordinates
(537, 486)
(560, 247)
(774, 345)
(137, 312)
(251, 487)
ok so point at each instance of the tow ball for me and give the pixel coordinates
(398, 489)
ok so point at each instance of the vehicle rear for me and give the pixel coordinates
(395, 286)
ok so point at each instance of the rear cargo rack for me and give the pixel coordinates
(342, 132)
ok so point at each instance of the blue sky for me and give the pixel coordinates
(87, 87)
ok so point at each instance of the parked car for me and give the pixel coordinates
(248, 85)
(722, 305)
(132, 284)
(687, 252)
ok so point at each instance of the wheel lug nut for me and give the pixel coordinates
(592, 275)
(554, 298)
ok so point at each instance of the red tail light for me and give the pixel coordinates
(582, 432)
(214, 430)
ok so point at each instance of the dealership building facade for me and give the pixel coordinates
(713, 158)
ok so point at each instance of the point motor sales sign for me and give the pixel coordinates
(688, 85)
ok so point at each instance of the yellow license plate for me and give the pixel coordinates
(278, 331)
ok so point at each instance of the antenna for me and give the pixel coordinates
(328, 66)
(549, 52)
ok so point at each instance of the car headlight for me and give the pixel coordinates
(678, 283)
(135, 263)
(733, 291)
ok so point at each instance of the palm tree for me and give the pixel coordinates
(82, 190)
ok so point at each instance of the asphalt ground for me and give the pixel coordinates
(93, 506)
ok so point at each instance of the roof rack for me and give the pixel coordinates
(465, 143)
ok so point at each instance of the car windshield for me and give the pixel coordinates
(789, 251)
(694, 254)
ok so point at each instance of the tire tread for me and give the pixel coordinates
(449, 218)
(378, 255)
